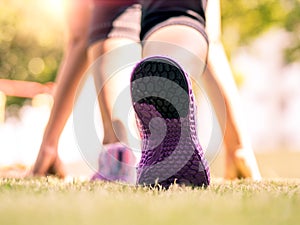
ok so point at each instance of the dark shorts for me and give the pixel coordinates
(160, 13)
(115, 18)
(122, 18)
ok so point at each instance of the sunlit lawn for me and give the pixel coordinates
(51, 201)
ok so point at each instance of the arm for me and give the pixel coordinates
(223, 93)
(71, 71)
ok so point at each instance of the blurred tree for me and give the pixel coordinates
(31, 33)
(247, 19)
(31, 41)
(292, 25)
(244, 20)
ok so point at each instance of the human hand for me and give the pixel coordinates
(48, 163)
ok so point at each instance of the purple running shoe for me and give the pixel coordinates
(164, 104)
(116, 163)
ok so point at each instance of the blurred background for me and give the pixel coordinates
(262, 42)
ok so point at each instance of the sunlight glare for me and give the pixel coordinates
(54, 8)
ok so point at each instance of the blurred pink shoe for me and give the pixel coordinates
(116, 163)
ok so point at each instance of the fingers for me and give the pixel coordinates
(57, 169)
(48, 163)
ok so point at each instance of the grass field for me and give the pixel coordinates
(51, 201)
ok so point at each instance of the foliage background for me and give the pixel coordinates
(243, 21)
(32, 37)
(31, 41)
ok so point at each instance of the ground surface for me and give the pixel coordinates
(275, 200)
(51, 201)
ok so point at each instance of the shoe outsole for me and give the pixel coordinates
(163, 102)
(116, 163)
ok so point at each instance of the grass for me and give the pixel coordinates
(45, 201)
(52, 201)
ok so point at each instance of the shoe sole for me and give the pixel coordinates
(163, 102)
(116, 163)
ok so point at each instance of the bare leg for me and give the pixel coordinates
(240, 160)
(111, 82)
(189, 48)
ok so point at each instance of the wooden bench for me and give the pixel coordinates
(39, 93)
